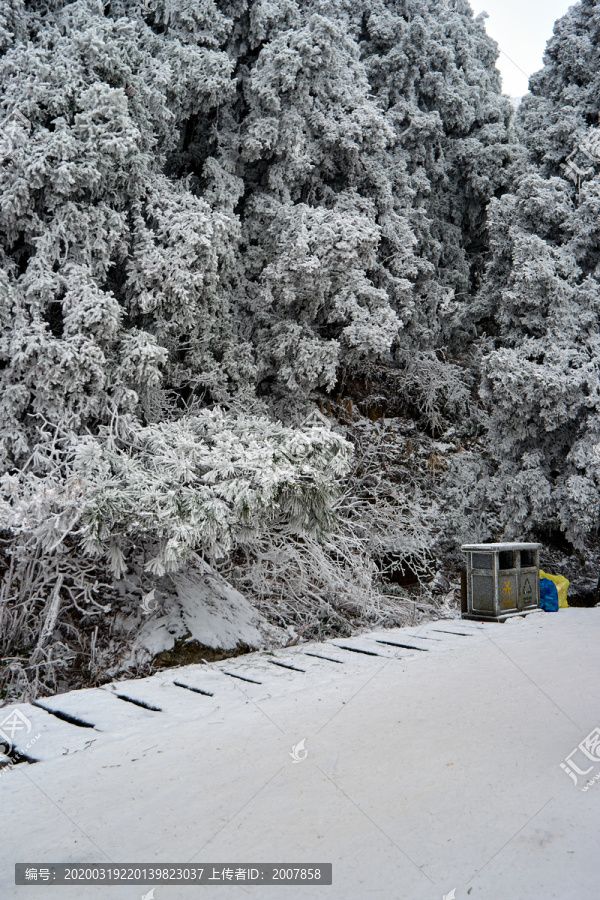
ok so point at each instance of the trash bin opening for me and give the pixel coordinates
(482, 561)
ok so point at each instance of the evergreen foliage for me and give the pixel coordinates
(542, 293)
(214, 213)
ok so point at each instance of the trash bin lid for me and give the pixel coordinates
(493, 548)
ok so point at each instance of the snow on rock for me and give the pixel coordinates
(199, 605)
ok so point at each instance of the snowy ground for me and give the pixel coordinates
(428, 770)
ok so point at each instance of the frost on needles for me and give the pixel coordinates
(213, 216)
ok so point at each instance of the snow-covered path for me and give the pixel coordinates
(430, 767)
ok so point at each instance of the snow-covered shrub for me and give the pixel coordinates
(387, 519)
(207, 484)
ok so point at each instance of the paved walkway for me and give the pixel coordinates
(430, 764)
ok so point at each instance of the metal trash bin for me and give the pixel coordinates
(503, 580)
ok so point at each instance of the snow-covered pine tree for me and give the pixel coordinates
(159, 181)
(221, 204)
(387, 118)
(116, 312)
(541, 299)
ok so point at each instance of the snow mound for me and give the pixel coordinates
(201, 606)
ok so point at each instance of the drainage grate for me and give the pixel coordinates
(276, 662)
(457, 633)
(356, 650)
(137, 702)
(328, 658)
(65, 717)
(241, 677)
(14, 758)
(406, 646)
(424, 637)
(196, 690)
